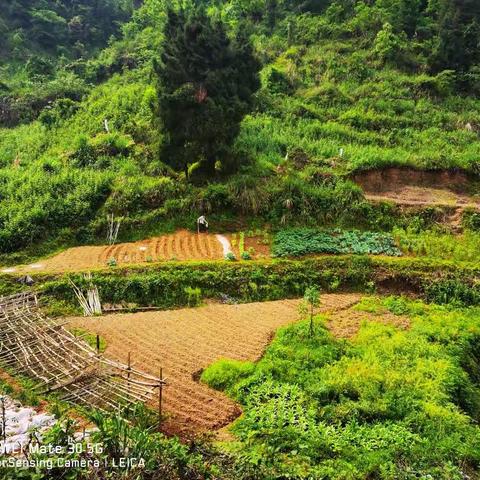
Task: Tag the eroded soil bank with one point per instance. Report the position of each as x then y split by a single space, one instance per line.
388 179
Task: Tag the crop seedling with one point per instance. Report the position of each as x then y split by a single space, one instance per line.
230 256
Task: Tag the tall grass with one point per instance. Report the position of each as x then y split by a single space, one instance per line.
435 244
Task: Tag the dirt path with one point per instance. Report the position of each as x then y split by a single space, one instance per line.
186 341
414 195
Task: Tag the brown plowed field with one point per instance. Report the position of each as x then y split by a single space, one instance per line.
186 341
182 245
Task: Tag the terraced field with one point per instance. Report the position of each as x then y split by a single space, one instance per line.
186 341
182 245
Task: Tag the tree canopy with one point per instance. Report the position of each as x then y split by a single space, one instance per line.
206 82
59 26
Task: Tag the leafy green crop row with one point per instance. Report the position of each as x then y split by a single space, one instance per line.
305 241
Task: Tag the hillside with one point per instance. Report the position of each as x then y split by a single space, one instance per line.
322 321
342 91
47 50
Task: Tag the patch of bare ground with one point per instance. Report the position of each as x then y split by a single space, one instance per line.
185 341
8 380
450 191
347 323
415 188
258 246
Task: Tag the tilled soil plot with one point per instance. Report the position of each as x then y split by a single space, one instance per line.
185 341
182 245
347 323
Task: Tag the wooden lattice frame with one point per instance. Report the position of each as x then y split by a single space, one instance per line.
41 348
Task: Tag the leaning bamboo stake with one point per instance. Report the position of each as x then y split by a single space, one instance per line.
160 398
113 229
3 423
81 299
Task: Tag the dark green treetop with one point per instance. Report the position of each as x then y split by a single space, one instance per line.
206 82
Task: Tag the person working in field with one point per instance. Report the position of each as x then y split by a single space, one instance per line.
202 224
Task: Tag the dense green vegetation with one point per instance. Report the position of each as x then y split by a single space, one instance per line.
300 242
175 284
47 50
439 244
387 404
345 86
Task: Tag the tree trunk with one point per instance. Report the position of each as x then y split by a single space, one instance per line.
311 321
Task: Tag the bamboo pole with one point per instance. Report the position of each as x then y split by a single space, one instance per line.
160 398
33 344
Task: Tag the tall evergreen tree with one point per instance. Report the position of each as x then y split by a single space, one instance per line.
206 82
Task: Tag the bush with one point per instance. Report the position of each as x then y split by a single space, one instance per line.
224 373
92 151
112 262
54 115
194 296
471 220
140 194
453 291
246 256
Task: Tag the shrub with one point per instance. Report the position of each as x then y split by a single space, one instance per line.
95 151
453 291
225 373
471 220
134 194
246 256
112 262
194 296
54 115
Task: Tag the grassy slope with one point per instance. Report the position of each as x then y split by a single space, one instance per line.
327 96
379 116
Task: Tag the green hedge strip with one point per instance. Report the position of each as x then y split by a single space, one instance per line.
167 285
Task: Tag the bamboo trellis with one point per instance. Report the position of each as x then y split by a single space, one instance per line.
38 347
113 229
90 303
